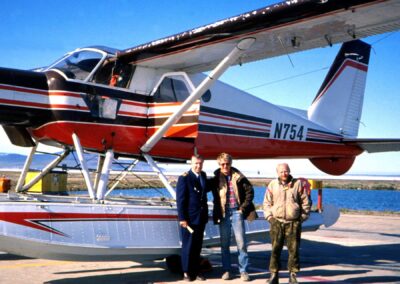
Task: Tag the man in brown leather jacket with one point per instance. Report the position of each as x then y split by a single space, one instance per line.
286 205
233 203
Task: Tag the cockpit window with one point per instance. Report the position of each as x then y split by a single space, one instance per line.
78 65
114 74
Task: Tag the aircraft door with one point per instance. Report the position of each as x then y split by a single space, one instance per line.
167 97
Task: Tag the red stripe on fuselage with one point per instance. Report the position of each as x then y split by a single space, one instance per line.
24 90
234 119
34 219
346 63
41 105
39 91
232 126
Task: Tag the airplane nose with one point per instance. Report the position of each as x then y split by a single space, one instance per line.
23 95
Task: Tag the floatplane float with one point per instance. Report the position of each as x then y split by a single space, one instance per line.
152 102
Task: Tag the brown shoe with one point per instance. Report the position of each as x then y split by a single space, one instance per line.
244 276
274 279
226 276
292 278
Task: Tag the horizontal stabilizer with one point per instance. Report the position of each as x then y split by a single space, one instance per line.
375 145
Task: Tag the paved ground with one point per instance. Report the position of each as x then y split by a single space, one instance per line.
357 249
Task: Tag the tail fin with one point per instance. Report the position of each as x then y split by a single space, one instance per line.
339 101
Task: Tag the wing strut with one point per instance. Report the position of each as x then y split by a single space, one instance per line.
241 47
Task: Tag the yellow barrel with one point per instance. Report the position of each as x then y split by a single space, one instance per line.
315 184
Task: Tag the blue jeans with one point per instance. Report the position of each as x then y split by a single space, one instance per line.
233 220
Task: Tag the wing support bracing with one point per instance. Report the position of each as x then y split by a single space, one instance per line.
160 174
121 177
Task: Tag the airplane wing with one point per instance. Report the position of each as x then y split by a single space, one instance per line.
282 28
375 145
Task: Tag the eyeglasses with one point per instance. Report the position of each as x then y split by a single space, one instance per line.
224 164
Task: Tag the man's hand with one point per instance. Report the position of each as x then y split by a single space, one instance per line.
271 220
183 224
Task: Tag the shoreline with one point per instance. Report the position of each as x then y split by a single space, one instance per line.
369 213
75 181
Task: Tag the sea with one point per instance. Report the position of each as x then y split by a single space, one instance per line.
349 199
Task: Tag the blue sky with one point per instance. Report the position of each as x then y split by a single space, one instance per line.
36 33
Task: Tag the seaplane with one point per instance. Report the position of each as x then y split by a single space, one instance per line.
162 101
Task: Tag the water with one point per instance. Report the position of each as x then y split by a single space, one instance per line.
352 199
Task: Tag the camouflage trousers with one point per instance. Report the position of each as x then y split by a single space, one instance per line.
279 232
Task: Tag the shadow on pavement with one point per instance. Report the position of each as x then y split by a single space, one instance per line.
354 262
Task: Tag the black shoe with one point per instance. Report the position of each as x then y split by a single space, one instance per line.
187 278
292 278
200 277
274 279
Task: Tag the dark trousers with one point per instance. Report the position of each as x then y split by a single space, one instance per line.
191 249
279 232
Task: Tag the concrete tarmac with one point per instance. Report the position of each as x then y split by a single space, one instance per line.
357 249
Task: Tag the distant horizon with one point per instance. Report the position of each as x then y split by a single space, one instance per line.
264 168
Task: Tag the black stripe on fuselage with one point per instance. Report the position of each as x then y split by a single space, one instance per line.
228 114
231 131
325 132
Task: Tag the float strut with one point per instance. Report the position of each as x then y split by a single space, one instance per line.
82 161
160 174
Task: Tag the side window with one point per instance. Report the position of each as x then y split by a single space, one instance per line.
171 90
181 92
114 74
103 75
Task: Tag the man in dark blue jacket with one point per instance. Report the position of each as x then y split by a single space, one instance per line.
191 200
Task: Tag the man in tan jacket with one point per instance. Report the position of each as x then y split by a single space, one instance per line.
286 205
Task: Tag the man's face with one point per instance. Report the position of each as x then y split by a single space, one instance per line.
197 165
225 166
283 172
